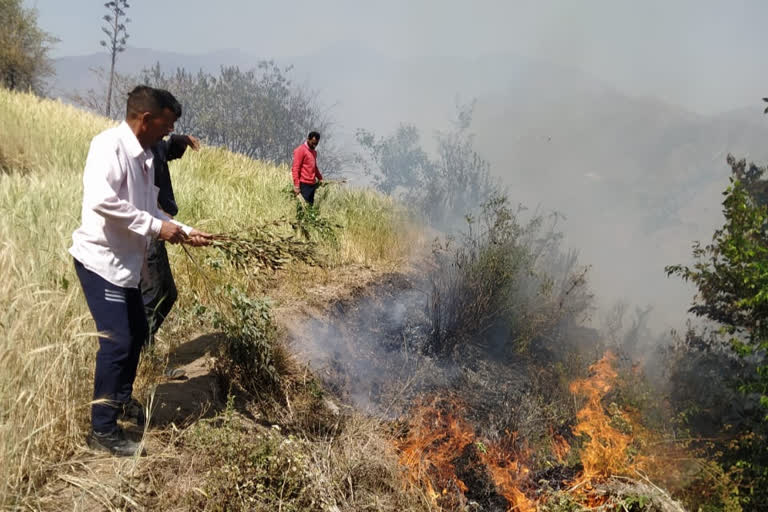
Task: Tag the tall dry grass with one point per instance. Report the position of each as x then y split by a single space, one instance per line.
47 343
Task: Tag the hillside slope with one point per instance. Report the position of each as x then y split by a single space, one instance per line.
47 345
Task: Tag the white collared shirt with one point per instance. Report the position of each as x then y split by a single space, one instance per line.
120 209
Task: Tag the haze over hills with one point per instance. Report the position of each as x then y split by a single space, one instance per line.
638 179
364 88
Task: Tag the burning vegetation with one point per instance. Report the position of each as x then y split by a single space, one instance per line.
489 381
444 455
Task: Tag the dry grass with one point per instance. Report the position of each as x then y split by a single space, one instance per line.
47 346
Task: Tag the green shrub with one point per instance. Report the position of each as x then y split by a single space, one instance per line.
247 359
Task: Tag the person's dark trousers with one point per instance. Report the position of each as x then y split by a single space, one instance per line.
157 286
308 192
119 316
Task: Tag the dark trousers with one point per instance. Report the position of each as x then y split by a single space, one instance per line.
157 286
308 192
119 316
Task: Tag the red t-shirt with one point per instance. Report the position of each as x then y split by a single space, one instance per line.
304 167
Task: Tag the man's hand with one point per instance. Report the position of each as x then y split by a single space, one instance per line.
172 233
199 238
192 142
296 191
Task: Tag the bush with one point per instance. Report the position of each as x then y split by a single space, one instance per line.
503 286
731 276
248 358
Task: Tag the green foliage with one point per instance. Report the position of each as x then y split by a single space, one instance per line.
263 248
311 224
712 489
248 359
259 113
559 501
397 163
731 273
24 47
635 502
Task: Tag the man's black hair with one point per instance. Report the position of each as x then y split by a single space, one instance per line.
313 135
148 99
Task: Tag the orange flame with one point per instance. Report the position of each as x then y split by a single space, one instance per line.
507 474
606 451
560 447
437 436
434 440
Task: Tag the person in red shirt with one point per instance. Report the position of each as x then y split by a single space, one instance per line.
306 175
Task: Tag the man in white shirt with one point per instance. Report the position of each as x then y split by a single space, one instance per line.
119 217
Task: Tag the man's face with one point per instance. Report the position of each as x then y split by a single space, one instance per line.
312 143
157 126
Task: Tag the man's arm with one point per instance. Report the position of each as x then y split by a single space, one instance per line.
165 197
298 159
178 144
192 236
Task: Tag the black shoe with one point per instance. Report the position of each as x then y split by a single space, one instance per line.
115 443
133 411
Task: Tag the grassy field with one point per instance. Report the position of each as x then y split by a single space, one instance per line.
47 343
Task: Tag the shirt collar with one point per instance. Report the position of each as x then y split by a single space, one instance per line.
131 142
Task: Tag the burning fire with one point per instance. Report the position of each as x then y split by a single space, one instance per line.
560 447
507 474
435 438
605 453
438 438
442 452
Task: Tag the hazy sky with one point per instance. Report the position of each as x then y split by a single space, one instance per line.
704 55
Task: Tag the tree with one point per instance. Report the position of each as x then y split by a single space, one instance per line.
24 47
462 178
260 113
396 163
117 35
94 99
445 188
731 273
